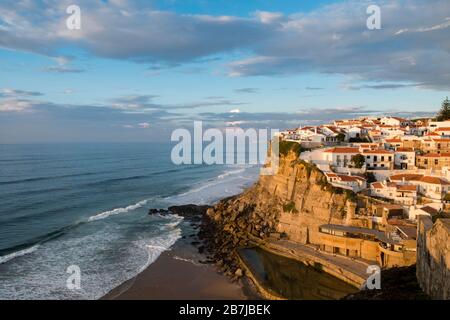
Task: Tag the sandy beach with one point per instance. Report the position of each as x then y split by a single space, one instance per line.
169 277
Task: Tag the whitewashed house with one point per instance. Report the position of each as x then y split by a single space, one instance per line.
340 156
431 187
349 182
400 194
379 159
404 158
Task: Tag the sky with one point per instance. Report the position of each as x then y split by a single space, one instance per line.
136 70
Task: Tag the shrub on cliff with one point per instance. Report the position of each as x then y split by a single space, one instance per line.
290 207
350 195
287 146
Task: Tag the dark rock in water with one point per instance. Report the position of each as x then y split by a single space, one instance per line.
192 212
189 210
195 243
158 211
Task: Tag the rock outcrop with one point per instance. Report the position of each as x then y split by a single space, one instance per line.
433 257
291 204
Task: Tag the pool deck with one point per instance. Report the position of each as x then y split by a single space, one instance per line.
350 270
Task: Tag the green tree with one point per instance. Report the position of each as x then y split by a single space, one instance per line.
340 137
358 160
444 113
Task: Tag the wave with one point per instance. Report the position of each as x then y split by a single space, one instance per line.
157 245
214 182
17 254
36 242
106 214
231 172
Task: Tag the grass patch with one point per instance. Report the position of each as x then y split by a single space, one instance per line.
290 207
288 146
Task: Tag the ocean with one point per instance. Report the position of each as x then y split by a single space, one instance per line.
86 205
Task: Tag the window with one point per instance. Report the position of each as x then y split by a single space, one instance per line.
436 161
390 158
382 158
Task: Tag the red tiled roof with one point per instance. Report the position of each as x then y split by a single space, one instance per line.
434 180
435 155
403 149
381 151
377 185
443 129
441 140
430 210
394 140
407 188
350 178
342 150
407 176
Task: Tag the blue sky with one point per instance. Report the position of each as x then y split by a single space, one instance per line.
139 69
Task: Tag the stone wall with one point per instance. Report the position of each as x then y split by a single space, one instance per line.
433 257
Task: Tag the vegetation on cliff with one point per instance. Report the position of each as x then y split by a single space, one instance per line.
289 146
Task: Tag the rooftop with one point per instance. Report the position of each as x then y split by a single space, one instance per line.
342 150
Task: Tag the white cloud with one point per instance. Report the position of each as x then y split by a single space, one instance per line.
235 111
13 105
144 125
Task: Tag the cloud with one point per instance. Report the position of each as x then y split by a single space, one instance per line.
144 125
132 30
383 86
313 88
412 45
63 69
235 111
8 92
303 116
246 90
140 103
334 40
14 105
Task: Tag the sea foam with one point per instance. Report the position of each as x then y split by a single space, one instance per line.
17 254
106 214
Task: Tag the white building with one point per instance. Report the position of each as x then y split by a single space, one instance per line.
340 156
401 194
404 158
434 188
433 125
395 121
354 183
379 159
430 209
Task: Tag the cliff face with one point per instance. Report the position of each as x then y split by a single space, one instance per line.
294 202
433 257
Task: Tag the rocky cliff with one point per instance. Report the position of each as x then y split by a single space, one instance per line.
293 204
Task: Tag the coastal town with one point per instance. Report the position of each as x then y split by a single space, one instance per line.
397 172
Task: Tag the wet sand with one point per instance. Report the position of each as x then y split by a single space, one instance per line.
171 278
